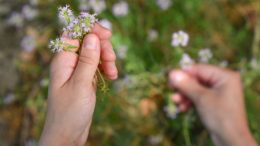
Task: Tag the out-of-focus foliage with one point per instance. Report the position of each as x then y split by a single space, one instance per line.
137 110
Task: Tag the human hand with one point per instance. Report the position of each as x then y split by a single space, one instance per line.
72 91
218 98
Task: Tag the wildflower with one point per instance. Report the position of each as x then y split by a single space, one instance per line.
121 51
223 63
155 139
171 111
254 63
106 23
65 14
164 4
180 38
28 12
16 19
97 5
56 45
152 35
28 43
186 61
34 2
205 55
120 9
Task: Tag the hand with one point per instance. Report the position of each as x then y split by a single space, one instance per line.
218 98
72 92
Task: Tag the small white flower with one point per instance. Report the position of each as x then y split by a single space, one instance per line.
223 63
97 5
171 111
106 23
186 61
34 2
16 19
180 38
28 43
65 14
120 8
254 64
121 51
164 4
155 139
205 55
152 35
56 45
29 12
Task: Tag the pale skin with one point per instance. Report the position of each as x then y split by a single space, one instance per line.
72 95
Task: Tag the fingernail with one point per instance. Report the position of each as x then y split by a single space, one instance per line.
90 42
177 77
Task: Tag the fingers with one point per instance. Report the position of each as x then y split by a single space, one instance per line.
209 75
63 64
101 32
88 60
182 102
187 85
108 58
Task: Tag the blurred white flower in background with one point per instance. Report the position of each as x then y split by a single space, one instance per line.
28 12
9 98
164 4
205 55
223 63
171 111
180 38
152 35
155 139
186 61
254 64
121 51
106 23
83 5
16 19
120 8
28 43
97 5
34 2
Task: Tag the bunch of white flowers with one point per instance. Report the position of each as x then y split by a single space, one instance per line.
180 39
76 27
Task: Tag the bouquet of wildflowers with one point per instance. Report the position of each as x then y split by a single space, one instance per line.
75 28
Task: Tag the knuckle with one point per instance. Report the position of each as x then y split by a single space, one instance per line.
86 60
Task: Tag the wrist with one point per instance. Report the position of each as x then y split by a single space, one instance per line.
234 137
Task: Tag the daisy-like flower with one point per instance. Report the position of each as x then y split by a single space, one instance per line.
180 39
65 14
164 4
106 23
120 9
205 55
186 61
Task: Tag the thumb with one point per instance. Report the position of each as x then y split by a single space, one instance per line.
88 60
187 85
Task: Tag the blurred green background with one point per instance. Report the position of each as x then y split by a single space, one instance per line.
136 110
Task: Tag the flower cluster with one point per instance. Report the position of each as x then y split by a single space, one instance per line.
76 27
180 39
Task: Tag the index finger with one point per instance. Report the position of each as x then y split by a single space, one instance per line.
101 32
